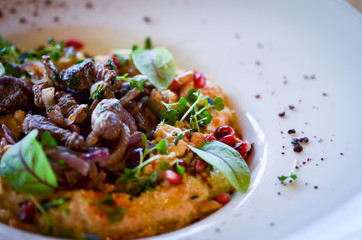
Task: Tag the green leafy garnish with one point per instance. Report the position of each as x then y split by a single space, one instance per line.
161 147
195 107
111 64
55 51
227 160
26 167
156 64
180 136
291 175
109 207
136 184
137 81
2 70
47 140
98 93
57 203
9 53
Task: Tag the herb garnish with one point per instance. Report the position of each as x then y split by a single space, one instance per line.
108 206
227 160
47 140
137 81
156 64
55 51
26 167
291 175
57 203
138 184
195 106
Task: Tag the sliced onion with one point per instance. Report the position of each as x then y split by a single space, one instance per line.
10 138
97 155
78 163
136 138
47 96
25 87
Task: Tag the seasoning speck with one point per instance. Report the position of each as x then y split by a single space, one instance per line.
56 19
279 193
341 154
22 20
282 114
283 153
47 2
272 224
12 10
1 13
147 19
291 107
257 96
315 187
324 94
89 5
291 131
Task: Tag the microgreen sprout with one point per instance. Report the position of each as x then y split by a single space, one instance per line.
195 108
291 175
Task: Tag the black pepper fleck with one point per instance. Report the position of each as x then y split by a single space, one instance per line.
282 114
1 13
324 94
89 5
56 19
315 187
291 107
279 193
257 63
22 20
47 2
147 19
260 45
341 154
12 10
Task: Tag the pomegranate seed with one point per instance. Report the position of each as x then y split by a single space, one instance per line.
175 85
200 165
223 131
173 177
27 212
242 147
74 43
223 198
181 163
199 80
228 140
114 59
209 137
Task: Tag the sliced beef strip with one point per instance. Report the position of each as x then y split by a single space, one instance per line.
80 76
63 137
110 121
51 71
13 98
70 109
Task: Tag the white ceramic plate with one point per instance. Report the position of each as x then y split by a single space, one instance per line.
288 52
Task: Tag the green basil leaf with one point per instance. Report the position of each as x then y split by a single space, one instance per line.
227 160
2 70
157 64
26 167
